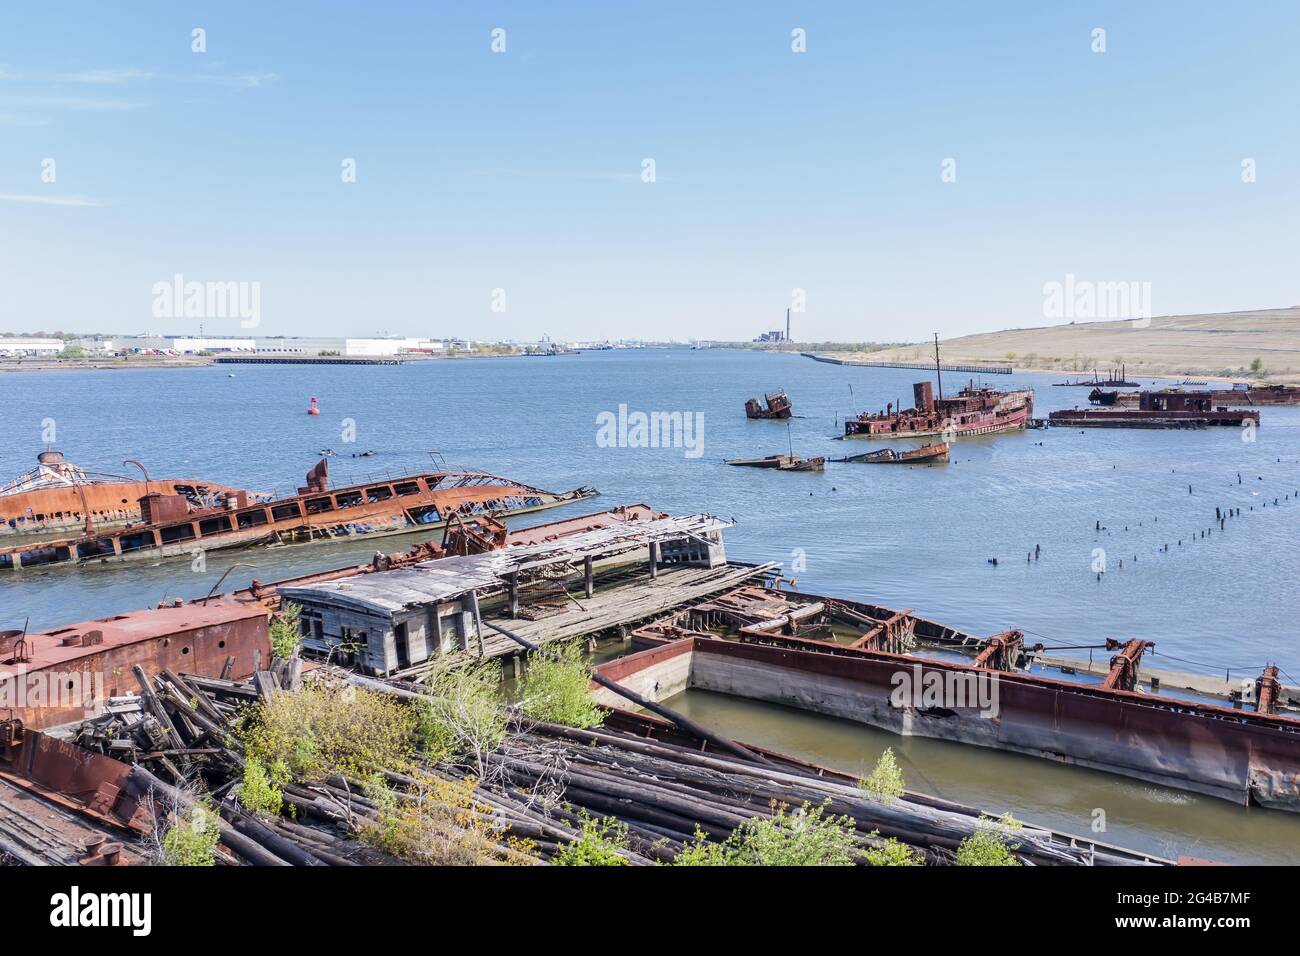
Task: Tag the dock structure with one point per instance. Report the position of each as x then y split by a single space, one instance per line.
945 367
304 360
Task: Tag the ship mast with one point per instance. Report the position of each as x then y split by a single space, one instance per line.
937 370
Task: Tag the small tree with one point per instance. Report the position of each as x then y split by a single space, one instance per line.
557 687
990 844
602 843
885 782
285 635
464 714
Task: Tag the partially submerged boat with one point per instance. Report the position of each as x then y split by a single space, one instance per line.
173 526
1157 410
778 406
58 497
895 670
782 463
925 455
1235 397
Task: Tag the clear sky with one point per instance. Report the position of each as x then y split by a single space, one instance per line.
522 170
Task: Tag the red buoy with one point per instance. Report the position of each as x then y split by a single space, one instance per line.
314 410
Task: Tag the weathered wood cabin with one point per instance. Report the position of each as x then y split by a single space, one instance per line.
389 621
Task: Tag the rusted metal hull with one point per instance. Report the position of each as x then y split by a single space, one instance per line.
373 509
111 504
974 412
1236 756
1137 418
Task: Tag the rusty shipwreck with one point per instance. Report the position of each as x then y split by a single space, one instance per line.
173 524
58 497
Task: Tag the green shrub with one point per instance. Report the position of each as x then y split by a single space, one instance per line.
602 843
893 853
259 793
285 635
191 839
803 838
557 687
885 782
327 730
990 844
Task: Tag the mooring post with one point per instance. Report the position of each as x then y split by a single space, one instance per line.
514 593
588 577
478 621
654 560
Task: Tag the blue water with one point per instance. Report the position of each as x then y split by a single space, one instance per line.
917 538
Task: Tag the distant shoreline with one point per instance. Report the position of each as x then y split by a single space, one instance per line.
181 362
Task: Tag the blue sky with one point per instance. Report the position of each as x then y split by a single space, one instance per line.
521 170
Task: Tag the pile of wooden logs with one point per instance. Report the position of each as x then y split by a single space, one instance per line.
540 785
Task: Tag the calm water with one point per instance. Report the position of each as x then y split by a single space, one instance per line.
915 538
908 537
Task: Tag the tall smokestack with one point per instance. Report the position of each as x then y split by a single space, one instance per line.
787 325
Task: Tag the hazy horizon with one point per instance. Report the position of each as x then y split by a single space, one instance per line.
910 170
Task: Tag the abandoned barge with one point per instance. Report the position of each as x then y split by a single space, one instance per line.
57 497
173 525
1157 410
1236 397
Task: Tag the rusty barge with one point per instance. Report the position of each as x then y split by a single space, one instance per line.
173 526
58 497
1157 410
925 455
1230 397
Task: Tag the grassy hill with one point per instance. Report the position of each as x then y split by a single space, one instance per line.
1263 345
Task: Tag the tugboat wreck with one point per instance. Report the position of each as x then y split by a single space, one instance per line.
778 406
975 411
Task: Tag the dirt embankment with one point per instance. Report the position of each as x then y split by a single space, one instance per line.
1262 346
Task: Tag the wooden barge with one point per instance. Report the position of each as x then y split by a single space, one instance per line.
1157 410
975 411
58 497
173 527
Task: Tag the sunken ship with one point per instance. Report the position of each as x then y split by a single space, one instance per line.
172 524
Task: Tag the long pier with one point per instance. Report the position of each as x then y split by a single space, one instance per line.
978 369
305 360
